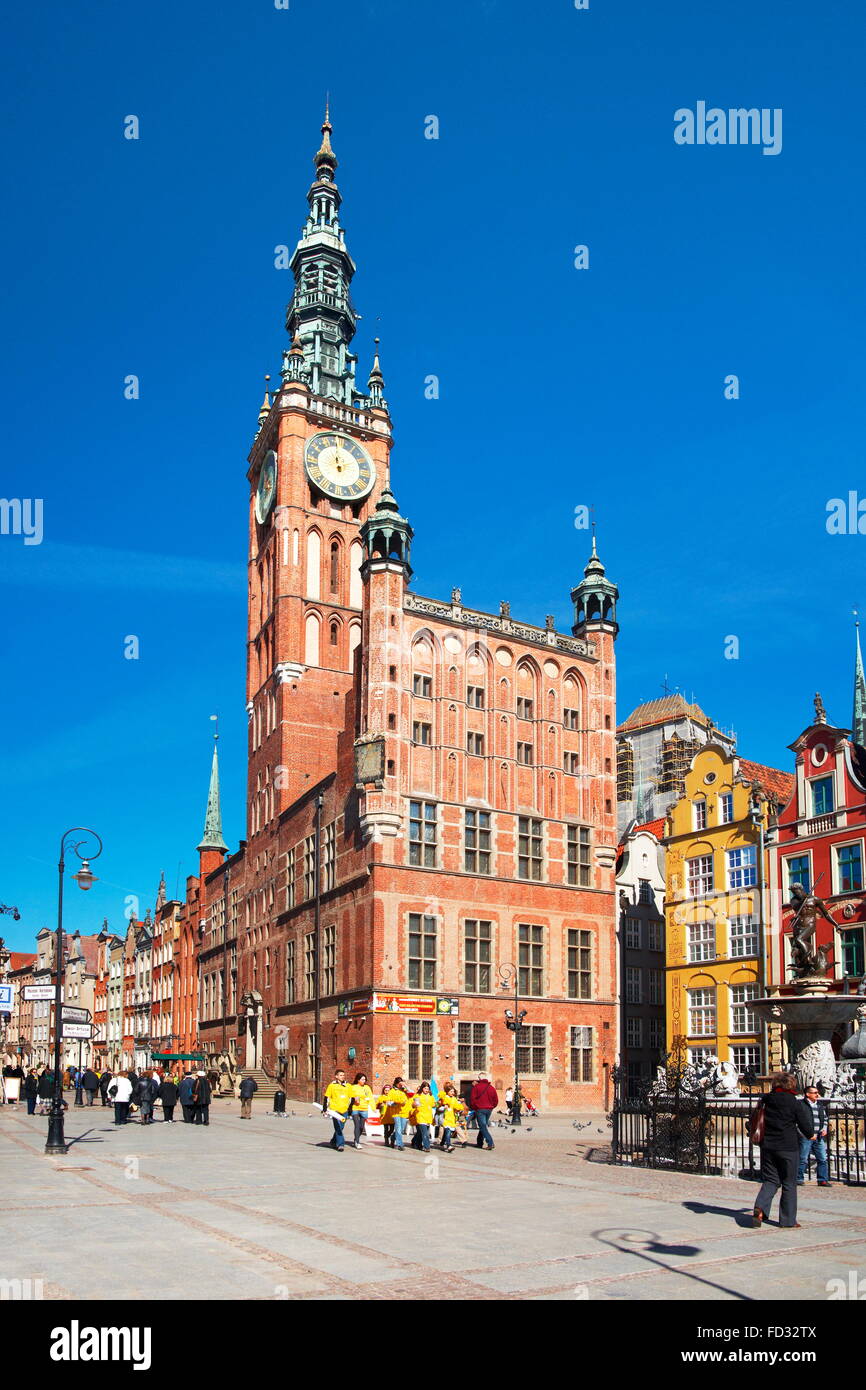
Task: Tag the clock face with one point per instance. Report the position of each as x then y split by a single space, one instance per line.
339 466
267 488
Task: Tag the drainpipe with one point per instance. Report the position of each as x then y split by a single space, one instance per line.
758 823
317 1060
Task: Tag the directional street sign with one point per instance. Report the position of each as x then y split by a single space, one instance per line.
38 991
77 1030
70 1014
5 998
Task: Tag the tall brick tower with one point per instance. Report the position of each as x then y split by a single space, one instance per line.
317 467
430 809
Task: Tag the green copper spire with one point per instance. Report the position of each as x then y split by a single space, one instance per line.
213 821
321 318
858 723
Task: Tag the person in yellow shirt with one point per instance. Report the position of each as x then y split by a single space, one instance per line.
399 1109
452 1106
338 1099
423 1110
362 1100
384 1109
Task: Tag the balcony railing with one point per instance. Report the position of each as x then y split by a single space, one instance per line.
818 824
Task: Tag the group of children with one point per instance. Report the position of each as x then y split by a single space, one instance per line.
397 1108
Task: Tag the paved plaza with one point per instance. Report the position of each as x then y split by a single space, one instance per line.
266 1210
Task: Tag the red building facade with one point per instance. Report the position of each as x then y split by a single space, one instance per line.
431 788
821 843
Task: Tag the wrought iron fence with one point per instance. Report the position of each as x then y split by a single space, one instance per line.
678 1128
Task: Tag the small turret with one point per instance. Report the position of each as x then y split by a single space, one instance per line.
594 599
387 535
376 383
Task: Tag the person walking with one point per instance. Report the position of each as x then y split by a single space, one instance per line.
384 1109
338 1100
362 1101
247 1090
452 1106
31 1091
423 1110
483 1102
201 1098
144 1097
90 1083
168 1096
45 1090
400 1106
786 1120
817 1145
104 1083
120 1092
184 1094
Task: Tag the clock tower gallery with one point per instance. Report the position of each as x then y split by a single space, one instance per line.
431 790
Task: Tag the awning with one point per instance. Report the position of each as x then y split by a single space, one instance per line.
177 1057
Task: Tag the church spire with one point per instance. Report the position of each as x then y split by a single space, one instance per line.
213 821
320 315
858 722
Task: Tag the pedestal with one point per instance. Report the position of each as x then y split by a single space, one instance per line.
811 1017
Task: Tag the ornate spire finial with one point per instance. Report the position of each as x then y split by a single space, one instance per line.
376 383
858 722
265 408
325 160
820 712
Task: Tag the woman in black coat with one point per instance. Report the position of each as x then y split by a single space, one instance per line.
786 1118
168 1096
31 1090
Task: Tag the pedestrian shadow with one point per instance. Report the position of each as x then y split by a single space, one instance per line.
83 1139
742 1218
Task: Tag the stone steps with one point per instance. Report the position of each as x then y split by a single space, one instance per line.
266 1084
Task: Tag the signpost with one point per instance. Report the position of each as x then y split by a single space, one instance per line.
76 1030
5 998
37 992
70 1014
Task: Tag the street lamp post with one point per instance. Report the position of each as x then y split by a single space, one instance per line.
509 973
56 1143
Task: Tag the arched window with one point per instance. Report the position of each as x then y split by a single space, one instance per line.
311 643
335 567
356 557
334 634
314 565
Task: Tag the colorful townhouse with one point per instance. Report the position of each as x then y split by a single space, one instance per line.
716 907
821 844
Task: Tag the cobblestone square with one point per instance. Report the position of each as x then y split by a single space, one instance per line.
267 1210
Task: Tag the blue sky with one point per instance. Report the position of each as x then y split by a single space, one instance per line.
559 387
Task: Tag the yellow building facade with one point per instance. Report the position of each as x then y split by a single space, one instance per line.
716 906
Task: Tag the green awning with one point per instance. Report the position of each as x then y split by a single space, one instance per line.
177 1057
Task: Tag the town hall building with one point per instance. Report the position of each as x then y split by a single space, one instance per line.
431 807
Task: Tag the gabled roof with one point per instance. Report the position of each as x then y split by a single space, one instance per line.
662 711
781 784
20 960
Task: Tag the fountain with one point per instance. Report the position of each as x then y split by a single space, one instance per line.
811 1014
